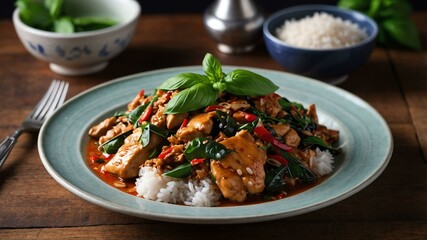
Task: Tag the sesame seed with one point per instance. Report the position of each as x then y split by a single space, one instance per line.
249 170
239 172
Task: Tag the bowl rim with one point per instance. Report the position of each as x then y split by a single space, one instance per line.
20 24
319 8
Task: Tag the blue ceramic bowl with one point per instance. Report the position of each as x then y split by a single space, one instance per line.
329 65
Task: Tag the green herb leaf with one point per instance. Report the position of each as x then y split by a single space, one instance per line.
54 7
243 82
318 142
190 99
149 128
297 169
136 113
205 148
63 25
403 31
227 124
112 145
34 14
183 81
182 171
274 179
212 68
249 126
83 24
354 4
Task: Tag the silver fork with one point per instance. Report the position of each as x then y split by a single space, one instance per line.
53 98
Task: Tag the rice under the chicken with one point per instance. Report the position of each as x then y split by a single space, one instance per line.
152 185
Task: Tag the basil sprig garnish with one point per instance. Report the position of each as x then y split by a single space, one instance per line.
198 90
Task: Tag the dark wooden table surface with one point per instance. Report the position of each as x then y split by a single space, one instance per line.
35 206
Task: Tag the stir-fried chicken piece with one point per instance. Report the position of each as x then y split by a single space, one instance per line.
281 129
101 128
115 131
312 113
131 155
328 135
236 105
292 139
159 119
198 126
270 104
242 171
175 120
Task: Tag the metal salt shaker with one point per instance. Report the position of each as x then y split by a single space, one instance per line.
235 24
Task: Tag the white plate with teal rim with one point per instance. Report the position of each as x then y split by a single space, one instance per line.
364 137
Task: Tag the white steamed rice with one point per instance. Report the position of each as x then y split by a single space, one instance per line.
320 31
323 162
154 186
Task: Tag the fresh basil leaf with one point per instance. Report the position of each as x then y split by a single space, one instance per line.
183 80
54 7
244 82
149 128
34 14
249 126
205 148
182 171
374 8
212 68
63 25
403 31
136 113
393 8
274 179
190 99
287 105
227 124
358 5
311 141
121 114
92 23
145 135
297 170
164 133
112 145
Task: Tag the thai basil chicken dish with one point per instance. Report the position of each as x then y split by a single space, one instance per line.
212 139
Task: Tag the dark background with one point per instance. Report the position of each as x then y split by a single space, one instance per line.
198 6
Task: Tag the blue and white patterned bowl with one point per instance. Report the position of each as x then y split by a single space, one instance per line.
84 52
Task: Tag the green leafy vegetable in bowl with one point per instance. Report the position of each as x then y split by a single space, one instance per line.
49 15
393 18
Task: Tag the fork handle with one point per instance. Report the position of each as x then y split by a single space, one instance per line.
7 145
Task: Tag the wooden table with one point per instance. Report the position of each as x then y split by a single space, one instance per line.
34 206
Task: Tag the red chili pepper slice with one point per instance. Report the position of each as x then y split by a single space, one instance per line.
184 123
146 115
250 117
266 136
279 158
213 108
196 161
165 152
141 93
168 95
